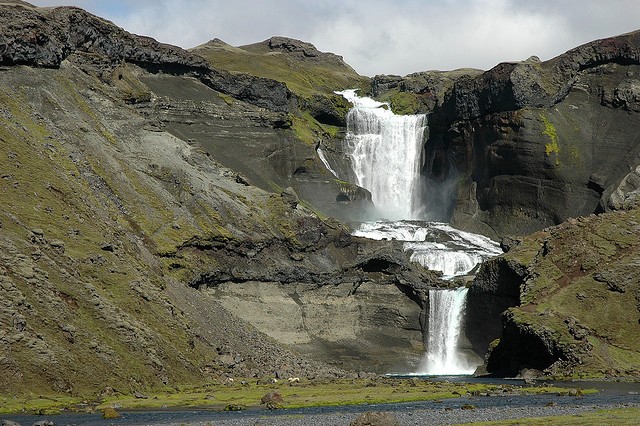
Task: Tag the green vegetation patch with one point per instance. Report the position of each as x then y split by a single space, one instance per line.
304 78
403 103
613 416
308 130
248 393
550 131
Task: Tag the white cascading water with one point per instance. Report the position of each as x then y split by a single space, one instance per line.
386 157
324 160
446 314
385 151
435 245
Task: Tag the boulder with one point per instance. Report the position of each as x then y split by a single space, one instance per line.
272 400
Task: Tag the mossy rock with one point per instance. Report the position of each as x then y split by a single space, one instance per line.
110 413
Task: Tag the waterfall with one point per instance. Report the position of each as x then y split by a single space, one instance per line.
386 151
324 160
386 156
446 314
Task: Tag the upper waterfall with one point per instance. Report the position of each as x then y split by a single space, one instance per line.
386 155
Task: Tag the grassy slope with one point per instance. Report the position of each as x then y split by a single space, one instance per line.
309 80
614 416
302 77
42 189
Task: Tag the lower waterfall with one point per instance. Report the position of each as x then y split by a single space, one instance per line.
446 315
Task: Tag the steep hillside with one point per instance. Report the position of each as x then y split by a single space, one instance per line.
115 223
304 69
318 120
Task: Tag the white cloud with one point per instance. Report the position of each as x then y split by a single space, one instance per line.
384 36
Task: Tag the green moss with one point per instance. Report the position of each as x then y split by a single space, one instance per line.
403 103
332 131
305 128
550 131
308 130
304 78
226 98
305 394
279 218
110 413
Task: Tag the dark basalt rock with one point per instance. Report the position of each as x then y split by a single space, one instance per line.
47 37
327 110
362 261
429 87
529 345
531 144
297 50
495 288
262 92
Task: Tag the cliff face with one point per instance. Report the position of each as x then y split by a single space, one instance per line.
123 236
534 144
318 122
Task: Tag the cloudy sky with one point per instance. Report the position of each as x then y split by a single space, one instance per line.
382 36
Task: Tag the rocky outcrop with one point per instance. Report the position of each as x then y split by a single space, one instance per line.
577 311
298 50
533 84
495 288
417 93
329 295
627 194
48 36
